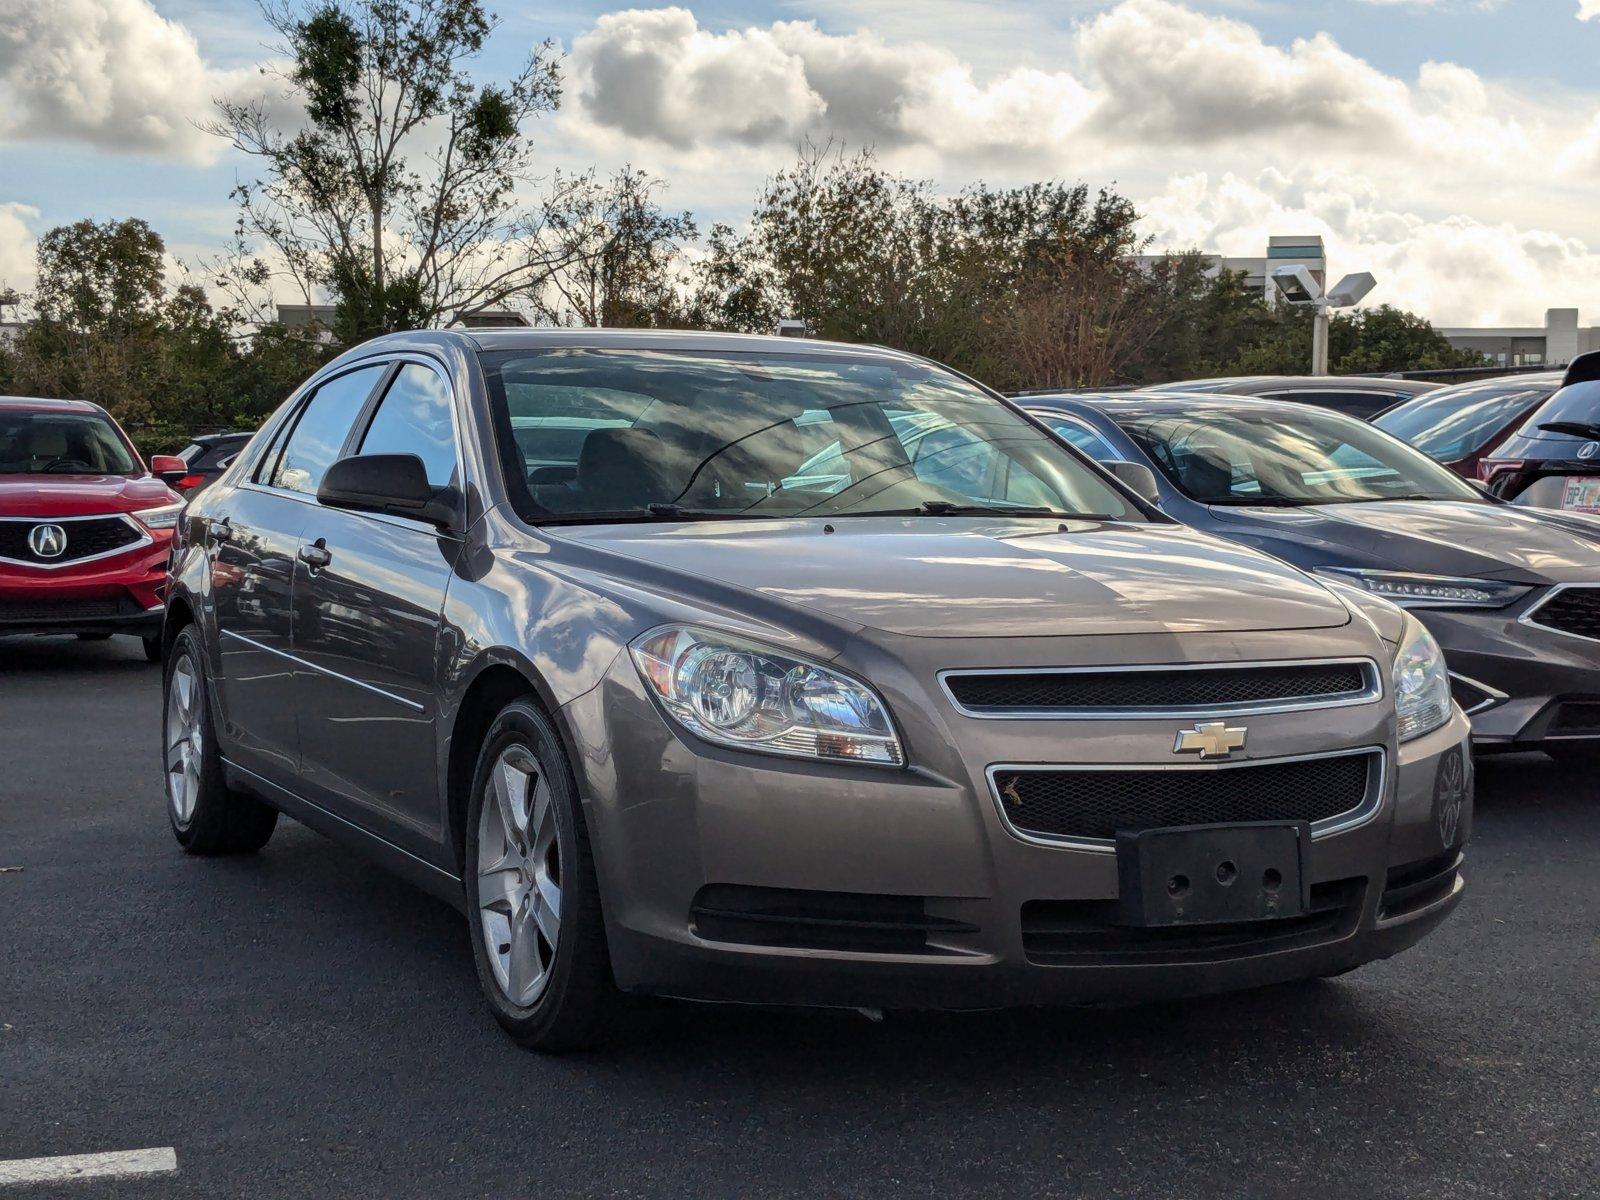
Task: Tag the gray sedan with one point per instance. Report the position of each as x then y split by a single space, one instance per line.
742 669
1512 594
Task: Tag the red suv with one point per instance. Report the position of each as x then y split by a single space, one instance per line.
84 527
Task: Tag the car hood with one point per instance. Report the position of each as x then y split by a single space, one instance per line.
1488 541
981 577
79 495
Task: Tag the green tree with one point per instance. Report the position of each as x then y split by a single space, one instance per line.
1390 339
401 194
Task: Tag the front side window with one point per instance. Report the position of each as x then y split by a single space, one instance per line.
320 432
1279 458
416 416
1082 438
635 434
39 443
1454 423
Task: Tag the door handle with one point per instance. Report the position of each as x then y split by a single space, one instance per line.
219 531
317 555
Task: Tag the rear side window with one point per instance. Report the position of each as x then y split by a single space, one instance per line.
321 430
416 416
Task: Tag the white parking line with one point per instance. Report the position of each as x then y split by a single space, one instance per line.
162 1160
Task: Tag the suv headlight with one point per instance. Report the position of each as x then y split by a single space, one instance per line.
1421 683
737 694
163 516
1431 591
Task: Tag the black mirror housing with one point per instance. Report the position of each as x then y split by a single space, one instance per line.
1137 477
394 484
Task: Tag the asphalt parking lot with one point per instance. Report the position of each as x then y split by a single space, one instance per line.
300 1024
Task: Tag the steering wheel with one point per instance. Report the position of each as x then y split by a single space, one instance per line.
67 465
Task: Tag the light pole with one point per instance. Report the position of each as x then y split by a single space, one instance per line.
1299 286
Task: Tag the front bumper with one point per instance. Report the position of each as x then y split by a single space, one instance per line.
1521 684
122 593
951 909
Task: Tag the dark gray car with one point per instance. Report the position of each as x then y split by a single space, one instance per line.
1512 594
747 669
1362 396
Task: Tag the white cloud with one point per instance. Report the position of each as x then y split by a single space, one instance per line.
17 246
112 73
1588 10
1456 270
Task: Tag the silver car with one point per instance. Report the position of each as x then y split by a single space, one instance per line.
754 670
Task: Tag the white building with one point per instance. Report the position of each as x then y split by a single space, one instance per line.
1555 343
1304 250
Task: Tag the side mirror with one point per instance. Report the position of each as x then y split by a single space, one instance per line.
395 484
1480 485
1137 477
168 468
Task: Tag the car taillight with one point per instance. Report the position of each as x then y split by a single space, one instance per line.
1488 468
189 481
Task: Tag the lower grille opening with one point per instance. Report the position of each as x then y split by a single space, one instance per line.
65 611
858 921
1470 696
1576 718
1078 802
1416 885
1085 933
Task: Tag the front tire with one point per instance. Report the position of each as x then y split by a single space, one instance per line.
538 939
206 816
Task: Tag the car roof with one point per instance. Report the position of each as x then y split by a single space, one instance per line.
40 404
1531 381
523 338
1246 384
1118 405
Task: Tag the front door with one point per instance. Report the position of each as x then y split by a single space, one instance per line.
369 595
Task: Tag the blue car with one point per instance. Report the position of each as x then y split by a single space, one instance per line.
1512 594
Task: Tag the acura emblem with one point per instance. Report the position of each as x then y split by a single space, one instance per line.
1587 450
47 541
1211 739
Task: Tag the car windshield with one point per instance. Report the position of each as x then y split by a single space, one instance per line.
1277 457
1456 422
52 443
651 434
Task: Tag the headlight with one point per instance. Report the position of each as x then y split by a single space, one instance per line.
736 694
164 516
1421 683
1431 591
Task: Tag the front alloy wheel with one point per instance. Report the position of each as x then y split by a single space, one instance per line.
538 938
519 876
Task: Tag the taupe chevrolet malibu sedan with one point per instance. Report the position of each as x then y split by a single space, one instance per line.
761 670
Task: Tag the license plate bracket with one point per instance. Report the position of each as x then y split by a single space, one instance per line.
1212 874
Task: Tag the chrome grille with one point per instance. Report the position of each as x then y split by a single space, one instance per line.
1162 691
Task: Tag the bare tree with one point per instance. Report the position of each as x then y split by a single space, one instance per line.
402 193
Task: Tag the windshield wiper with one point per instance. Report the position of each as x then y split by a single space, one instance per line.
1583 429
948 508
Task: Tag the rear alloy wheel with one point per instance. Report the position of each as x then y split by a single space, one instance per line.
538 937
206 816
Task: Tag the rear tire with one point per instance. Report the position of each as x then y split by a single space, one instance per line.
533 900
206 816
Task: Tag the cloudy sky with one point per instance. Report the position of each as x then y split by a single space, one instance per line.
1450 146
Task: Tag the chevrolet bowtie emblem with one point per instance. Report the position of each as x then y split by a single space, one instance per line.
1212 739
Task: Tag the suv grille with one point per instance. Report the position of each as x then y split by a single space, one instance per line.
1574 610
1161 689
1097 804
85 539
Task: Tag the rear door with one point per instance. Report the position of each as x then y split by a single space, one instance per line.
253 540
369 592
